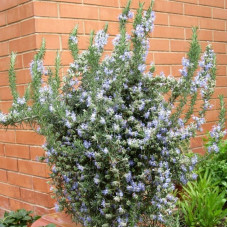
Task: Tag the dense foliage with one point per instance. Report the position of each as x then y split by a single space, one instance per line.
114 131
19 218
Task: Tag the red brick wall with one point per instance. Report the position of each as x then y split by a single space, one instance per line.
23 23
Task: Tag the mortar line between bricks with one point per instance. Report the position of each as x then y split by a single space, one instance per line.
162 12
23 3
17 22
4 209
150 51
81 34
27 173
22 201
22 188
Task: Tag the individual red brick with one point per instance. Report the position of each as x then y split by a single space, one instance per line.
26 10
179 45
4 48
48 9
200 151
109 14
159 45
167 58
221 81
9 32
23 44
2 18
214 24
221 70
18 151
168 6
20 180
211 115
78 11
5 92
4 78
17 204
219 13
41 185
13 15
4 202
6 4
219 47
37 198
162 18
168 32
183 20
221 59
29 137
10 190
2 149
217 3
196 142
33 168
8 163
219 91
196 10
7 136
57 26
36 152
5 106
23 76
27 26
220 36
112 3
3 176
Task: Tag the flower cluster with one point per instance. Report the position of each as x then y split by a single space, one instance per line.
113 139
216 135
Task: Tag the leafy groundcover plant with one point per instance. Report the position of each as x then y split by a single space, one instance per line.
113 138
19 218
202 203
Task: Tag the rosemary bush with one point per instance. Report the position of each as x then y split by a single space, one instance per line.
113 138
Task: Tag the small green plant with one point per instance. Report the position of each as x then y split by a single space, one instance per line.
217 164
19 218
202 203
